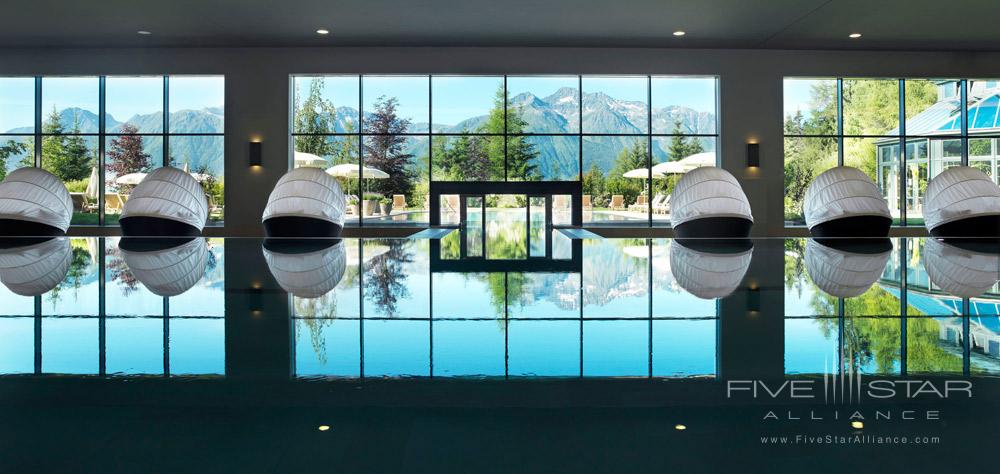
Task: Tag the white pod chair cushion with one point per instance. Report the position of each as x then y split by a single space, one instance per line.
842 273
708 275
305 202
170 271
708 192
960 272
35 197
309 274
960 193
167 202
845 193
37 268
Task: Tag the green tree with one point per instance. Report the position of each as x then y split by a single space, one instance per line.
593 182
7 150
315 116
630 158
385 148
682 146
126 155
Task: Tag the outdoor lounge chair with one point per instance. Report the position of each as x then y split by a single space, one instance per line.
617 202
662 205
398 201
113 203
640 204
587 204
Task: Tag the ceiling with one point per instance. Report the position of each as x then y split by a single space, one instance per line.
968 25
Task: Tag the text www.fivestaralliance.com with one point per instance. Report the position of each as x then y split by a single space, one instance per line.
849 439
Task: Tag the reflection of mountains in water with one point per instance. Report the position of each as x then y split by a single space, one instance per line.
559 113
196 151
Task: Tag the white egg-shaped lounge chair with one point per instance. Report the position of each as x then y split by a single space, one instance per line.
709 202
167 202
36 267
306 202
845 202
962 271
710 268
167 267
846 269
962 202
306 269
34 202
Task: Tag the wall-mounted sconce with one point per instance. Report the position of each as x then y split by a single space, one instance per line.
753 300
255 300
256 153
753 155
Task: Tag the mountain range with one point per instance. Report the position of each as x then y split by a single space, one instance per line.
559 113
196 151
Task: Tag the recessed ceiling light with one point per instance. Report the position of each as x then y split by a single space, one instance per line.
324 427
679 33
322 31
854 35
857 424
680 427
144 32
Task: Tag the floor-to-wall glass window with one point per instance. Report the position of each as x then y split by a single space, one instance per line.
901 132
627 139
102 134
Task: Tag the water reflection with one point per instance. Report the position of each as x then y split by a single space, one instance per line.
144 307
601 308
903 306
32 267
710 268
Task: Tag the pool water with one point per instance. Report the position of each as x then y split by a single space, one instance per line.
536 334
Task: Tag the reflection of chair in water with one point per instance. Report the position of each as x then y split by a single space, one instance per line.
710 268
113 203
965 269
560 202
167 267
36 266
845 268
617 202
306 268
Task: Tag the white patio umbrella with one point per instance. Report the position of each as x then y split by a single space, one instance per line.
131 178
92 185
303 159
641 173
350 170
686 164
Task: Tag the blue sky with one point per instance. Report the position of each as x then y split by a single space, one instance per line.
126 96
457 98
798 94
